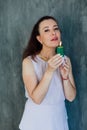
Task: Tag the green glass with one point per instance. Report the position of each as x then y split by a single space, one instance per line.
60 50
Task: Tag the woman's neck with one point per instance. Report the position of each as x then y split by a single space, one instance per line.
46 54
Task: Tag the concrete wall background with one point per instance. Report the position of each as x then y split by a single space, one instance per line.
16 21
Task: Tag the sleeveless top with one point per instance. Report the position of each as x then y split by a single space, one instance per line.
51 113
55 92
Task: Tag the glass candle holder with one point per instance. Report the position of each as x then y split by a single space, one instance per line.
60 49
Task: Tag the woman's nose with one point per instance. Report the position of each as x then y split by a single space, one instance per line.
53 32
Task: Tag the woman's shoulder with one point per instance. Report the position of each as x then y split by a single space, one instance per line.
27 68
27 61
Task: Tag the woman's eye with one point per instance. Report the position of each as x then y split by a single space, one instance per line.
46 30
56 28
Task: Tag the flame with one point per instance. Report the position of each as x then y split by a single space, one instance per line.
60 43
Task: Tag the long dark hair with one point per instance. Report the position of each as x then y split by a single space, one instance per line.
34 46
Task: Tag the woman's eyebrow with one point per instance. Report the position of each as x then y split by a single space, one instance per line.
55 25
46 27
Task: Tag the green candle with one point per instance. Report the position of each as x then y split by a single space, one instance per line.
60 49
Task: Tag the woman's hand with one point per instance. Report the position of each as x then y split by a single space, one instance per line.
68 80
54 62
65 69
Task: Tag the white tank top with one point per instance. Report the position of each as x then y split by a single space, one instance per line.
55 92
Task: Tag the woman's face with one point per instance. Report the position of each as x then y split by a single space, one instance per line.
49 33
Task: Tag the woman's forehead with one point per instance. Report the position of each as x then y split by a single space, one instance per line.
48 23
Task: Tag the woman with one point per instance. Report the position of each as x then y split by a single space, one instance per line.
47 82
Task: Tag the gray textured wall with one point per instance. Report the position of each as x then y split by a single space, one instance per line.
16 20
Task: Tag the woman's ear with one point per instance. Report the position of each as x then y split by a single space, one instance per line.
39 38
